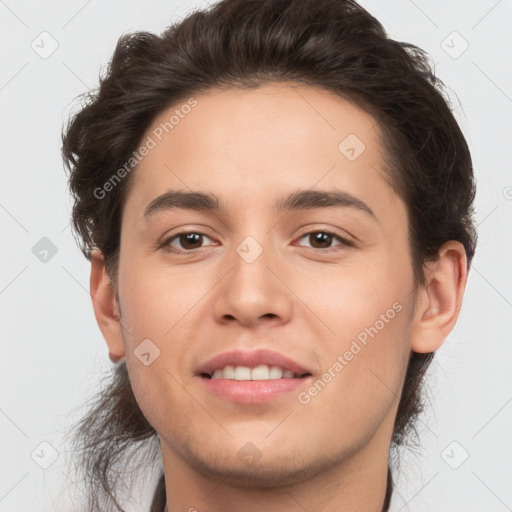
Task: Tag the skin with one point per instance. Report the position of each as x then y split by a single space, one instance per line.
250 148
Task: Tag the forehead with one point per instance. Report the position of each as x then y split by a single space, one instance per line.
245 144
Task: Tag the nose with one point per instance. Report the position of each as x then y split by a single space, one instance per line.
254 292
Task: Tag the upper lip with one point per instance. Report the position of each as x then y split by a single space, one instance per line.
250 359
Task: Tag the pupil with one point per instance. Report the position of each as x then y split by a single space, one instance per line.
189 239
322 238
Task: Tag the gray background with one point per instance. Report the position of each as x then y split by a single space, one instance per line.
53 354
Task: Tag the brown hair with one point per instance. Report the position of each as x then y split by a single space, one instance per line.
332 44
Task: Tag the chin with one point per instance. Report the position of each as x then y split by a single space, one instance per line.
259 473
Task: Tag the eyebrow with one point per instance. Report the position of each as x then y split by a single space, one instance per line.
299 200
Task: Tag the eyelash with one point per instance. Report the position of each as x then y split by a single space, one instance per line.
344 241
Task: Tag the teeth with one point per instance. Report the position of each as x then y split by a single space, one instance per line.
262 372
217 374
242 373
229 372
276 372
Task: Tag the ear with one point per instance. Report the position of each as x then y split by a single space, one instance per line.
105 307
440 300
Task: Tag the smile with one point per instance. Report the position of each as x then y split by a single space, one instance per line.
252 377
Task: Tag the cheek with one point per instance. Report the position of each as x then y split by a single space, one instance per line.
157 312
348 300
160 396
161 306
155 301
364 355
360 384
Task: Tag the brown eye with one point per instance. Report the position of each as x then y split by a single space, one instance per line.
322 240
185 242
190 240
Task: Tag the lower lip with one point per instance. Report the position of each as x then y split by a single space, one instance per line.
252 391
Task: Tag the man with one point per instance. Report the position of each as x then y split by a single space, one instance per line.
276 202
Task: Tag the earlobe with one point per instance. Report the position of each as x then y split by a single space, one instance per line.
439 302
106 309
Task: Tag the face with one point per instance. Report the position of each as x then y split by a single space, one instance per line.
302 274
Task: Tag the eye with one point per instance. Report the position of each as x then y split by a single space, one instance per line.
321 240
188 241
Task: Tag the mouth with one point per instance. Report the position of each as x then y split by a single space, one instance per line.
252 377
